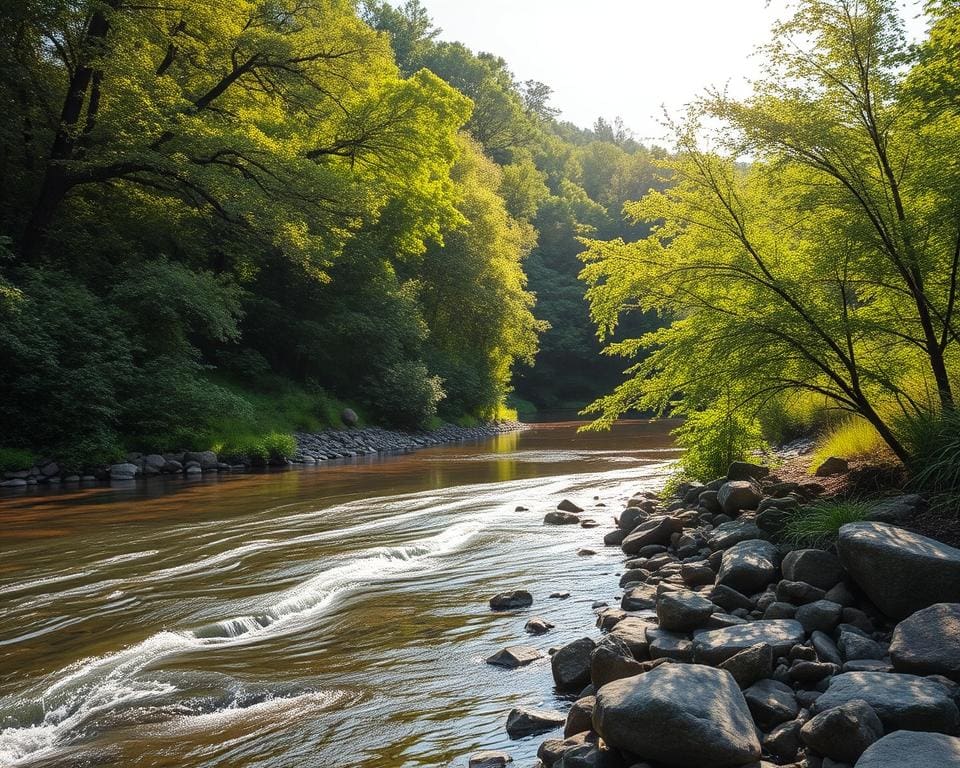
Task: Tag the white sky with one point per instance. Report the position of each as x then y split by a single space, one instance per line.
622 57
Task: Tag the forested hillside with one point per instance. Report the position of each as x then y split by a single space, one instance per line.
222 220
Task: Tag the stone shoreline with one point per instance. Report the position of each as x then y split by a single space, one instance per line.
312 448
733 649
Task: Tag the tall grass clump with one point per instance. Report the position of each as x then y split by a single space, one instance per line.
818 524
15 459
934 442
852 438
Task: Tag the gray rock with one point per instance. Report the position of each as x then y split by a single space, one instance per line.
826 649
630 518
206 459
854 646
783 504
928 642
349 417
771 703
783 742
657 530
738 495
729 599
780 610
814 566
640 598
50 469
726 535
123 471
611 660
744 470
514 656
900 571
697 574
900 701
898 509
505 601
614 538
633 632
526 721
571 665
537 626
557 517
749 566
844 732
750 665
798 592
809 672
716 646
568 506
821 615
708 500
683 611
832 466
580 716
907 749
669 645
678 715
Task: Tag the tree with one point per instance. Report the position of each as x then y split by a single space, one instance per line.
829 265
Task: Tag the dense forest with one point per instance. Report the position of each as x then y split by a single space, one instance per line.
806 256
222 221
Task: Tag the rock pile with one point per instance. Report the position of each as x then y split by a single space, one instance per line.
731 649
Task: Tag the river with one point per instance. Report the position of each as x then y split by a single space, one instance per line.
325 617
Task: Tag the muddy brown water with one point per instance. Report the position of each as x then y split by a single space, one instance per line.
329 616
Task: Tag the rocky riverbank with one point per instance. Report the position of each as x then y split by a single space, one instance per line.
312 448
732 648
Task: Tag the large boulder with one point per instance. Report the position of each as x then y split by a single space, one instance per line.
908 749
814 566
928 642
738 495
678 715
657 530
123 471
349 417
900 701
844 732
206 459
571 665
640 598
558 517
630 518
611 660
749 566
900 571
717 645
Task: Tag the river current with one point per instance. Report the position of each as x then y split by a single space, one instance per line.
324 617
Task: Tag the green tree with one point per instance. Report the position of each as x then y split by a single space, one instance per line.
829 265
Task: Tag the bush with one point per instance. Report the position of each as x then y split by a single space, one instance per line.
713 439
272 446
817 525
15 459
405 395
853 438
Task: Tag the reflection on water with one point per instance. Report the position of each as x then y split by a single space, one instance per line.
330 616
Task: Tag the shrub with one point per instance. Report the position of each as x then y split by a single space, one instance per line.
14 459
713 439
853 438
818 524
405 395
271 446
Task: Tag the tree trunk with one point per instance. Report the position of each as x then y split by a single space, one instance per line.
56 182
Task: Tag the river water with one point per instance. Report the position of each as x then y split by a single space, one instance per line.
331 616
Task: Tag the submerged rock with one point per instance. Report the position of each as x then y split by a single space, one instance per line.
506 601
526 721
514 656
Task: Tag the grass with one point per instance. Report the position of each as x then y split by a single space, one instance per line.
15 459
853 438
818 524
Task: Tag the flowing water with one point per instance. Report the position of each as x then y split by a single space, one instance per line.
330 616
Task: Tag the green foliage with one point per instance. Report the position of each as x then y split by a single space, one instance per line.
405 395
263 448
828 266
15 459
934 441
818 524
713 439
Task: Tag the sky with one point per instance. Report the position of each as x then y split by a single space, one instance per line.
627 58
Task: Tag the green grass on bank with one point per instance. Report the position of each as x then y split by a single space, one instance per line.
818 525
